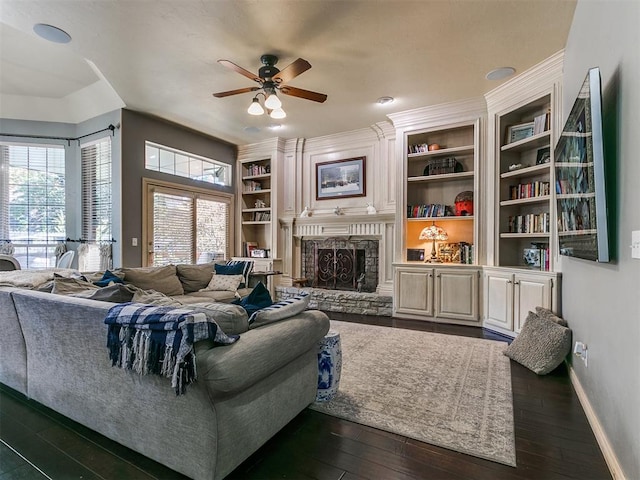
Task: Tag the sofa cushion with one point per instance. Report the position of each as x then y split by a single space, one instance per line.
67 286
279 311
258 298
194 277
236 267
541 345
224 282
232 319
153 298
115 293
161 279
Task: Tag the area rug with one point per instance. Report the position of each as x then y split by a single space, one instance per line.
450 391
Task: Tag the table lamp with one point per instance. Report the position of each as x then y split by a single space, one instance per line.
433 233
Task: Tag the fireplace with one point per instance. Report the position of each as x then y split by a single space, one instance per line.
341 264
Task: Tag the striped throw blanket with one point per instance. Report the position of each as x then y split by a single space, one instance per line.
159 340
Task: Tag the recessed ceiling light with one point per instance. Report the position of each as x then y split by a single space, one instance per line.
500 73
385 100
251 129
51 33
274 126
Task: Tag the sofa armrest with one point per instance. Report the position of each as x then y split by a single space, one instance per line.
258 353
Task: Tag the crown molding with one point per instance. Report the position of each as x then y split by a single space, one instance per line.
437 115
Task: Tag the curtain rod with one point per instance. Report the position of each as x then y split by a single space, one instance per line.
111 127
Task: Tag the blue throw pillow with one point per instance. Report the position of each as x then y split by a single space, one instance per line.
107 278
236 267
259 298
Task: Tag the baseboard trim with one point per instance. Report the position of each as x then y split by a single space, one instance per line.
596 426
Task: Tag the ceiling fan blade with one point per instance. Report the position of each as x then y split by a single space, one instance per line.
307 94
240 70
292 71
235 92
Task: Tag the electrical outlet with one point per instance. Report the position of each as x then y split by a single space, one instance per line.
580 350
635 244
134 242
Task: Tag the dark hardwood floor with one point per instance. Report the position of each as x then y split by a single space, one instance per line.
553 440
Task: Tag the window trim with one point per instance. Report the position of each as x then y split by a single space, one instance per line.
149 184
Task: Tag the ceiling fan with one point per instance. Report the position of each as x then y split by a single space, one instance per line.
271 79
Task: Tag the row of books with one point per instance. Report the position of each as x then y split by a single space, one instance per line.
528 190
261 216
257 169
541 123
429 210
252 186
466 253
537 257
530 223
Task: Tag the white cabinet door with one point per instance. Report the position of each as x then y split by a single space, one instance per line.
414 291
530 292
498 303
457 294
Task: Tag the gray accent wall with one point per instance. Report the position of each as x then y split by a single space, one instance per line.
138 128
601 302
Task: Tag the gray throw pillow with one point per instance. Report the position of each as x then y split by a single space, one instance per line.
194 277
232 319
68 286
279 311
161 279
541 346
546 313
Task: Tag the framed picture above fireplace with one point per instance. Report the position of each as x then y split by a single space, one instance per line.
341 179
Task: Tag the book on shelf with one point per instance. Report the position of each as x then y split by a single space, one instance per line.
429 210
541 123
248 247
528 190
529 223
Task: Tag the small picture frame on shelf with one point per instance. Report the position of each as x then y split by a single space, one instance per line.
415 254
519 132
543 155
258 253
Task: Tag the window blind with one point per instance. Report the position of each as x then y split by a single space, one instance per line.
96 190
189 227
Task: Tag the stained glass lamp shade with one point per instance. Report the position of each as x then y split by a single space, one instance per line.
433 233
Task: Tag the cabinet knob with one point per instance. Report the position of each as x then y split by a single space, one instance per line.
508 281
516 282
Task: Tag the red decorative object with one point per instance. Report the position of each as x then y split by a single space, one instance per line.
464 204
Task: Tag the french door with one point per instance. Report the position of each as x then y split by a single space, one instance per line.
185 225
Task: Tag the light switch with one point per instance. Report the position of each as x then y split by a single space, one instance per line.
635 244
134 242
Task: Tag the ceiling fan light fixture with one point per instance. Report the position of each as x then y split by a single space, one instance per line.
272 102
255 108
278 113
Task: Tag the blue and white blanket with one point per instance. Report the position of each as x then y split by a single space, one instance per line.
159 340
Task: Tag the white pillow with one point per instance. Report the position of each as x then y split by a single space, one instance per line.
224 282
281 310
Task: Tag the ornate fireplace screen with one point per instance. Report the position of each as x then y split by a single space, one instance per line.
338 268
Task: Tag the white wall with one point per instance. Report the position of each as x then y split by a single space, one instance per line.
601 302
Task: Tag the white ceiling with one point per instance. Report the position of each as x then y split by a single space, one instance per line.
160 57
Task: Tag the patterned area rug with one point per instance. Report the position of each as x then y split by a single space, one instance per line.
454 392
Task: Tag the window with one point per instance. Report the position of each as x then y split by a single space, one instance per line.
184 226
32 211
174 162
96 202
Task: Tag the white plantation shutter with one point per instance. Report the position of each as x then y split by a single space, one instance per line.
96 200
188 226
173 229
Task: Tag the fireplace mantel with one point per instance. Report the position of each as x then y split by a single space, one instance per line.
341 226
379 226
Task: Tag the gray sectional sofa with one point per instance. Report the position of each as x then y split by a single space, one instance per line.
53 350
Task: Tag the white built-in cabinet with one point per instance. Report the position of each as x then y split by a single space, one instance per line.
510 294
439 148
445 294
524 115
